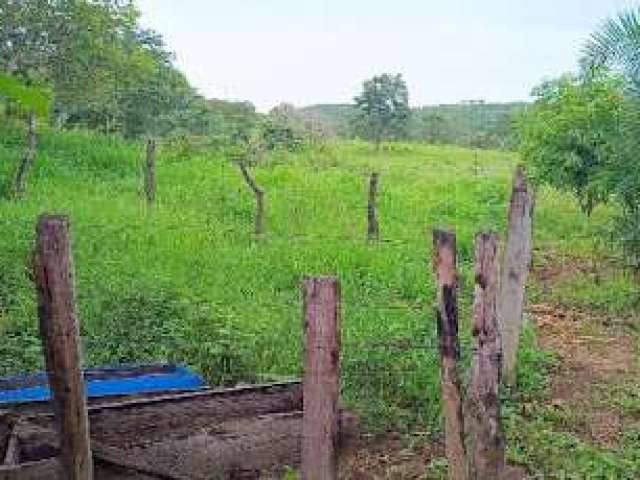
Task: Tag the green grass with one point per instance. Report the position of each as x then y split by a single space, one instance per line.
186 281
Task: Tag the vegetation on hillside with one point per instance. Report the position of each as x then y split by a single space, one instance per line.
476 124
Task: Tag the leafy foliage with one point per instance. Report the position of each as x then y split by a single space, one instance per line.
383 108
616 45
581 135
105 71
471 124
27 98
568 135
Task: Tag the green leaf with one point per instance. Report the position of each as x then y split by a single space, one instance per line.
28 98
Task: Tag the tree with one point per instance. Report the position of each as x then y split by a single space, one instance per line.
383 108
29 102
569 135
105 71
382 112
616 47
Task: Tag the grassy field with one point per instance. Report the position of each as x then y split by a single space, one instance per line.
186 281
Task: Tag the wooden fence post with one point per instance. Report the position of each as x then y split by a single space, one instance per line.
150 172
53 269
373 229
515 268
444 264
321 378
486 447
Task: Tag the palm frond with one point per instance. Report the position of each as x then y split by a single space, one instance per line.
616 45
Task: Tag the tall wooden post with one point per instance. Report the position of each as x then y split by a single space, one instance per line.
150 172
321 378
53 269
515 268
373 229
486 447
444 264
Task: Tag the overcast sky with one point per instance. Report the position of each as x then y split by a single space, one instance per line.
319 51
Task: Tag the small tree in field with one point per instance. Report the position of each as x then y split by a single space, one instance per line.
383 108
28 102
382 112
245 147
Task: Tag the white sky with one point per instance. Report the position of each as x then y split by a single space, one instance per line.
320 51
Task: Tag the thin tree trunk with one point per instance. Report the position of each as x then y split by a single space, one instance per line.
373 229
515 268
444 263
28 157
486 440
259 194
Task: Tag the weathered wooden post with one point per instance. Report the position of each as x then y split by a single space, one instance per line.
150 172
486 446
28 158
515 268
373 229
53 273
444 264
321 378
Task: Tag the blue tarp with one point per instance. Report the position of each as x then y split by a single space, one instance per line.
105 383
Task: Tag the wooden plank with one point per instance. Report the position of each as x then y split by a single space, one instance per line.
515 268
49 469
321 378
122 426
292 389
486 450
131 464
59 331
444 262
12 452
249 447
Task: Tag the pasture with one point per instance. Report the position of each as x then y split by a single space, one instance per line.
187 281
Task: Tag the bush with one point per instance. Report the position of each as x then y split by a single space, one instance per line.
159 325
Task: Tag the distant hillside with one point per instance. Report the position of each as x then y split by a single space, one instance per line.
475 124
478 124
334 116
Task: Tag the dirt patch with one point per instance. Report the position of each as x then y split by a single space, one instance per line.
390 456
400 457
594 359
551 268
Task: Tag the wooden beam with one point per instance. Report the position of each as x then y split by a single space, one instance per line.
486 450
321 378
59 331
444 263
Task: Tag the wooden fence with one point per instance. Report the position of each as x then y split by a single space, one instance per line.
473 437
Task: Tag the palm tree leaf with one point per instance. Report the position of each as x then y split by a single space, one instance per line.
616 45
